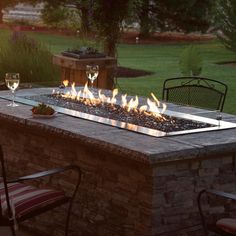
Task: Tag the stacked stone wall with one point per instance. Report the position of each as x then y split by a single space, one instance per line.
115 196
118 196
176 187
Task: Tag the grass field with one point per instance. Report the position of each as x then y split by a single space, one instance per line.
162 59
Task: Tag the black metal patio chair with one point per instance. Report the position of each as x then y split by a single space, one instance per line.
224 225
195 91
20 201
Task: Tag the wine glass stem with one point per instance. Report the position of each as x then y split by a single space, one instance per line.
13 97
219 117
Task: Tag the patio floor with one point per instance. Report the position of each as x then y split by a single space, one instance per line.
6 232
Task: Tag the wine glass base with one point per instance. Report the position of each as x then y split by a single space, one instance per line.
12 105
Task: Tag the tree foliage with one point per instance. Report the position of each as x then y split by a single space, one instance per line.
84 7
103 16
61 17
106 16
226 18
181 15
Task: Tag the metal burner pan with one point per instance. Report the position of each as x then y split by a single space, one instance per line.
216 125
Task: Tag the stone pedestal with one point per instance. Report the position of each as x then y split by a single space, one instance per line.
74 70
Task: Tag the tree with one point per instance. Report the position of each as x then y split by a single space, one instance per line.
181 15
186 15
226 18
145 18
84 7
105 15
108 17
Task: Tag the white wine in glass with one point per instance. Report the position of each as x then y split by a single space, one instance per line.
12 81
92 73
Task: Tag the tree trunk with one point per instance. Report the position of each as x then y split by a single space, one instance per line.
110 48
145 24
85 24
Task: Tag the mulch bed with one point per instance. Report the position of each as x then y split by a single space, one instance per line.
131 73
40 29
128 37
167 37
227 63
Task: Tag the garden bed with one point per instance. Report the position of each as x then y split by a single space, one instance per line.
167 37
227 63
125 72
128 37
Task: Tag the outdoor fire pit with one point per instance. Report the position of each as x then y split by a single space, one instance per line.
113 109
133 184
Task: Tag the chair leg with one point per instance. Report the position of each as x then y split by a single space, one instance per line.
68 218
13 232
71 203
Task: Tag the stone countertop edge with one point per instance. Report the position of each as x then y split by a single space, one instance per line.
103 144
186 151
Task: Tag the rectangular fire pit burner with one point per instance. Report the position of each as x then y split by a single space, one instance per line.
152 119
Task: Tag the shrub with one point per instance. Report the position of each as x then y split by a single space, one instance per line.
190 62
61 17
28 57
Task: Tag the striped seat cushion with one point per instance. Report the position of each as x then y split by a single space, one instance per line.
227 224
26 199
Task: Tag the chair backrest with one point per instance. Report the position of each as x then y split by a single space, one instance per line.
4 182
195 91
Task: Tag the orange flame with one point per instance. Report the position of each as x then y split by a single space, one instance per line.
133 104
65 82
153 108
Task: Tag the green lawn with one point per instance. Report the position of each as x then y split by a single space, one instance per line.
161 59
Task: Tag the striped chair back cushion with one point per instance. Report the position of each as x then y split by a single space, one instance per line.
25 198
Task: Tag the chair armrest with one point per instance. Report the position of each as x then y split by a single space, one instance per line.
47 173
222 194
213 192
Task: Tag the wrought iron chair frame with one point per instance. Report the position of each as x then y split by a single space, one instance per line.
9 221
193 82
209 227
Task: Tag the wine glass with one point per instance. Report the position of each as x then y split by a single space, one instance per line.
12 82
92 73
